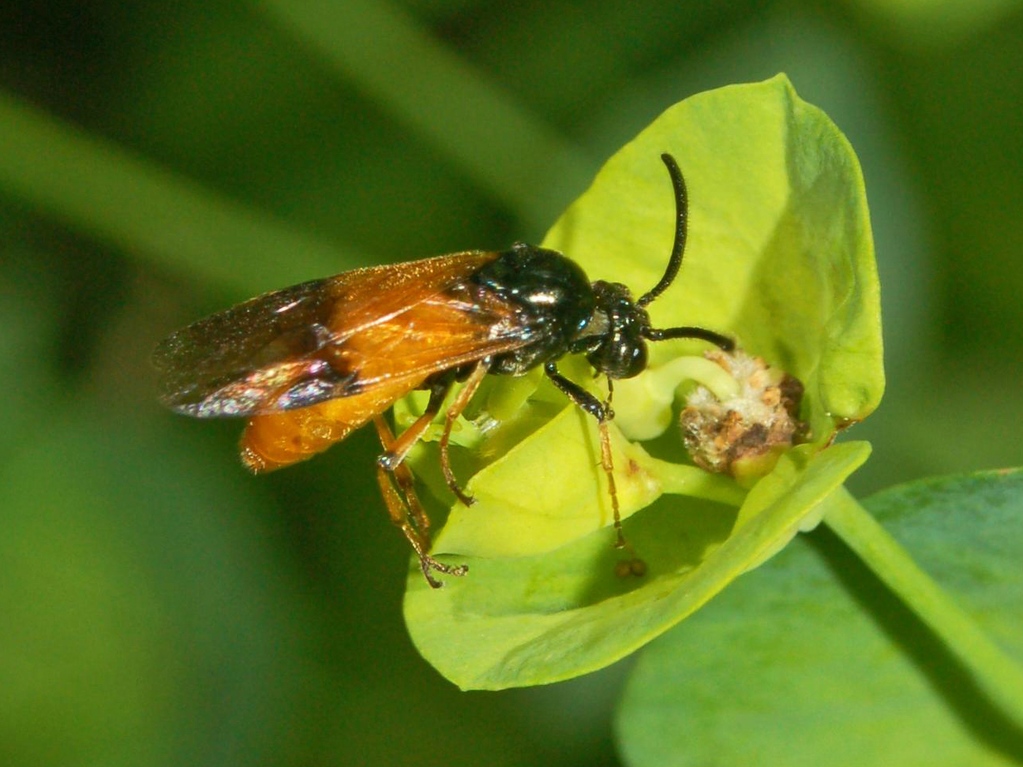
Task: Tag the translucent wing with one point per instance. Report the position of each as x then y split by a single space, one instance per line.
334 337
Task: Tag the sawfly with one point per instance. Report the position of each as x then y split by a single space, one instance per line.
308 364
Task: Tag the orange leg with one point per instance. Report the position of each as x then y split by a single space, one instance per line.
397 487
398 449
604 414
472 383
607 462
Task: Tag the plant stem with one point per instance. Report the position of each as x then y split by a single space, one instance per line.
993 670
384 51
98 187
680 479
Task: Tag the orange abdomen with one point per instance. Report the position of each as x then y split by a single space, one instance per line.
280 439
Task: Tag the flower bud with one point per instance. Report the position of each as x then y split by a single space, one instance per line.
743 434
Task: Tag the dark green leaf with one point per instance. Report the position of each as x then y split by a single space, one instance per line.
787 667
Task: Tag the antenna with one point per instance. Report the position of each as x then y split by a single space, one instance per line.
681 227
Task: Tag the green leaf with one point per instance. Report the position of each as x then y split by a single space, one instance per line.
780 256
539 619
788 667
512 518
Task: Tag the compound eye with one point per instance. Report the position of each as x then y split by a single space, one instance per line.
636 362
619 359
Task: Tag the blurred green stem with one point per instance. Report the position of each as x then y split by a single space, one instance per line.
483 130
994 671
107 192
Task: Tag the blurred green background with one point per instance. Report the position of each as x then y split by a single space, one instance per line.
159 161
